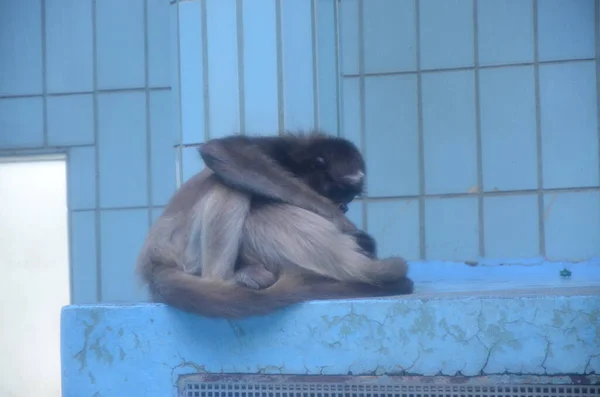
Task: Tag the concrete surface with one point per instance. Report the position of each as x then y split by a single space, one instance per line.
469 330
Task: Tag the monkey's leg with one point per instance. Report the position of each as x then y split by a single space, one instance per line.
286 236
253 275
215 238
215 233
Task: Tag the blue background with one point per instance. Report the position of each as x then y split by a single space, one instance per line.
478 119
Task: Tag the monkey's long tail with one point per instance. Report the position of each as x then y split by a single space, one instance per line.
213 299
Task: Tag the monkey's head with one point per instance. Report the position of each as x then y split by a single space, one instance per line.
332 166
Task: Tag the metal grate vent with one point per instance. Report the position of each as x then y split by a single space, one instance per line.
358 386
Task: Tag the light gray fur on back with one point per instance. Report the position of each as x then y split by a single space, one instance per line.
293 240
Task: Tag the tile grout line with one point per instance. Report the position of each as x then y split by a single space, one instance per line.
362 97
381 199
127 208
538 133
148 126
478 133
464 68
280 79
123 208
96 154
72 93
488 194
41 154
205 71
349 76
315 63
420 132
239 15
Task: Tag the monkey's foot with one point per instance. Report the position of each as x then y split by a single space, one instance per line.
255 277
404 286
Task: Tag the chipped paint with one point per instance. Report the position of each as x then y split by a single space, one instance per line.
466 336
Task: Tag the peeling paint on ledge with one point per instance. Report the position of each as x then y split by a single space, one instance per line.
143 349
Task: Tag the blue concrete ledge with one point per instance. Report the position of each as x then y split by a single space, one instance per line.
141 350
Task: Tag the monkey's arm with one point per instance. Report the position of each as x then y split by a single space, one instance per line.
246 164
366 243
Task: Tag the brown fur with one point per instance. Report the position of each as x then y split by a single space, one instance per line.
218 219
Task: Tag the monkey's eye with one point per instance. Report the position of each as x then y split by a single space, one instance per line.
320 162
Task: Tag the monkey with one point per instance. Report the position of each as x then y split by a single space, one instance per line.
341 159
264 154
260 228
337 156
283 159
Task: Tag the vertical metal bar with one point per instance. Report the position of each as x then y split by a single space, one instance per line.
315 63
280 79
362 97
44 76
338 68
597 43
422 250
179 157
148 128
240 60
205 71
45 144
480 201
70 233
96 154
538 132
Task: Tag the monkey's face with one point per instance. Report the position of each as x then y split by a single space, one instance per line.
336 170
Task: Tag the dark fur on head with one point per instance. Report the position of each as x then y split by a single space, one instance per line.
324 163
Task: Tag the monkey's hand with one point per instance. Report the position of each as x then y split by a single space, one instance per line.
255 277
366 243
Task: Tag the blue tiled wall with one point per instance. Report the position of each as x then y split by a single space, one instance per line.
252 67
92 79
478 119
479 123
